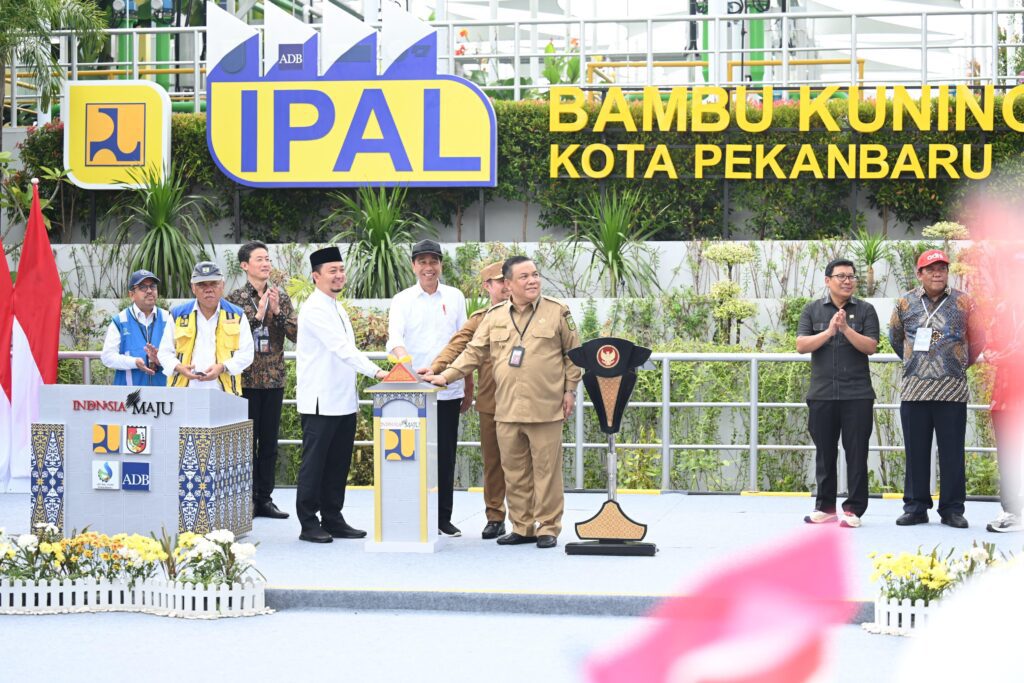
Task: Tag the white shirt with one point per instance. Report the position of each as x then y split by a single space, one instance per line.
424 324
205 352
326 358
111 355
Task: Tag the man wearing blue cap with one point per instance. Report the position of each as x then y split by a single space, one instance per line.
130 347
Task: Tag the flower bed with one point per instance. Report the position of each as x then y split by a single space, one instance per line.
914 583
204 576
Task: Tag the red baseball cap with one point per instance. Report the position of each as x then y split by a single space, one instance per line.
932 256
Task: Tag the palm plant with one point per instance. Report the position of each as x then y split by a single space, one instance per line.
869 249
25 30
173 240
609 222
378 231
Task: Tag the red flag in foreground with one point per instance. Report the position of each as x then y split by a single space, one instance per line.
6 312
36 336
762 620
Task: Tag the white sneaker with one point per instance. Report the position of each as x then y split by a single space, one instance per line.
819 517
1006 522
849 520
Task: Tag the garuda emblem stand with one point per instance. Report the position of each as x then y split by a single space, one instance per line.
609 366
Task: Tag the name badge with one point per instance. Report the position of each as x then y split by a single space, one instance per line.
261 338
923 340
515 359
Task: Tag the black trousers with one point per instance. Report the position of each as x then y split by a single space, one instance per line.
948 421
852 420
1009 428
327 442
265 413
447 439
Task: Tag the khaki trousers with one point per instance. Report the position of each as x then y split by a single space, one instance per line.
531 455
494 475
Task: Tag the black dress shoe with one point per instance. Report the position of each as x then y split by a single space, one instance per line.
343 530
912 518
315 536
269 510
448 529
546 541
955 520
516 539
493 530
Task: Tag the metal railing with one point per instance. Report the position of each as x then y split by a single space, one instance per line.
786 66
663 362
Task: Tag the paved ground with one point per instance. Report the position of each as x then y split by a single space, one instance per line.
693 534
351 646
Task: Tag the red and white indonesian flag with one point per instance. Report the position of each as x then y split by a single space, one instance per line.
35 339
763 619
6 311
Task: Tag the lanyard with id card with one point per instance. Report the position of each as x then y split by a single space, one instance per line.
923 337
261 339
515 358
261 334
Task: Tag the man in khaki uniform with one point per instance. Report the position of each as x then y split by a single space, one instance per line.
526 339
494 478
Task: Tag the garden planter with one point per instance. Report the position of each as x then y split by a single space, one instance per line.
164 598
899 617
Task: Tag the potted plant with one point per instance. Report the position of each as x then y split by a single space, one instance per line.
172 241
912 583
378 230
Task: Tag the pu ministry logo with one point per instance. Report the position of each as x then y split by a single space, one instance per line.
115 132
317 111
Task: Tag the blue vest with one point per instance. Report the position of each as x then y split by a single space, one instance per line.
133 343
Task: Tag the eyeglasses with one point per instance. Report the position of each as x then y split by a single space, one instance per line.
146 288
844 277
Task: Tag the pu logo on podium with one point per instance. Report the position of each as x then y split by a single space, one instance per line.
135 476
399 434
114 132
136 440
316 111
106 439
106 475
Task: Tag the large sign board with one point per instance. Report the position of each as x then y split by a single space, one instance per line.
319 109
115 133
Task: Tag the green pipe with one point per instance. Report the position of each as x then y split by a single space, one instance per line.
756 34
124 50
163 55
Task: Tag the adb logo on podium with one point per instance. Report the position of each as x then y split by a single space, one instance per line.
115 132
320 109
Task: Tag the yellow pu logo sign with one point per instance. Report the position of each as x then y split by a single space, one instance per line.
115 132
315 112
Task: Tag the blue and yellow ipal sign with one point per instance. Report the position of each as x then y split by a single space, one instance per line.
300 118
114 132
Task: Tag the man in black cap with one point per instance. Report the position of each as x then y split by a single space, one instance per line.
130 346
327 361
421 320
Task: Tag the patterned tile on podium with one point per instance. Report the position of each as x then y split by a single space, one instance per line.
48 474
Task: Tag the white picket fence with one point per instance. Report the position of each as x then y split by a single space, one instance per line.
900 617
152 597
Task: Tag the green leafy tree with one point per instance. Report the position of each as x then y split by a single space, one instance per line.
25 30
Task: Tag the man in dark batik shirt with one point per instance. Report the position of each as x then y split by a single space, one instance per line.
271 318
936 332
